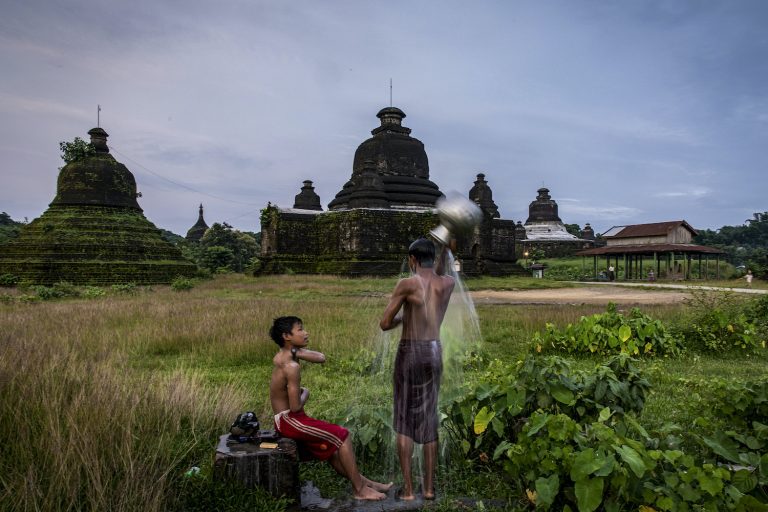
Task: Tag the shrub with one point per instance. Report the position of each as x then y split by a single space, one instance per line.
9 280
718 322
564 465
92 292
124 288
496 410
610 333
46 293
182 284
66 289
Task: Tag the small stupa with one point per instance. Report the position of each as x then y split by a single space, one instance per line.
196 232
544 230
94 231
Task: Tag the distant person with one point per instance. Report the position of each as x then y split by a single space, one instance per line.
748 277
423 299
651 276
315 438
611 273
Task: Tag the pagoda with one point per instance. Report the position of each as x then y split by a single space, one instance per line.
94 231
196 232
388 201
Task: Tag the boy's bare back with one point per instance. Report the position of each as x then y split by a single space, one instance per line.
286 376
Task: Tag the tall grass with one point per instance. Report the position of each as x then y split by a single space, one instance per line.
104 403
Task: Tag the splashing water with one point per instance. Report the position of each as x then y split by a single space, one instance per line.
459 336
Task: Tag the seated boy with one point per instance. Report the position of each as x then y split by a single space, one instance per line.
315 438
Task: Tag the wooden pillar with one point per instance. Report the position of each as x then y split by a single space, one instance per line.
641 267
625 266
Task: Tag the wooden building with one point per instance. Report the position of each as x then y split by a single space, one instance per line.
656 250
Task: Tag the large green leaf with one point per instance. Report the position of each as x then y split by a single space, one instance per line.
625 332
723 445
631 457
537 423
482 419
562 394
585 464
589 494
712 485
546 490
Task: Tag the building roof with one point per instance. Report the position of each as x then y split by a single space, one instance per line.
652 229
650 249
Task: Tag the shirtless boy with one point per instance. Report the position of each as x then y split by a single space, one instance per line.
424 299
315 438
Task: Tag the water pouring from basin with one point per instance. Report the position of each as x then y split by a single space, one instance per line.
419 304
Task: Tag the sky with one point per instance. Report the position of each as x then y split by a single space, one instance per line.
629 112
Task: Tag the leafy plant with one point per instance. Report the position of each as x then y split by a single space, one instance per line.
565 465
719 323
76 150
182 284
9 280
495 411
124 288
372 428
610 333
92 292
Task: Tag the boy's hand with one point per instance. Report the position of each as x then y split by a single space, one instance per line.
304 396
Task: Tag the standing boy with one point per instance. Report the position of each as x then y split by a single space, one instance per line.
315 438
424 299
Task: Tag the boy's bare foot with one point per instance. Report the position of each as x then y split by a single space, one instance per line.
378 486
399 496
368 493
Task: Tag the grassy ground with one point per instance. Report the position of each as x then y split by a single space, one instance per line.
106 402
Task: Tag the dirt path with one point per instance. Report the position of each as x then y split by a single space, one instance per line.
580 295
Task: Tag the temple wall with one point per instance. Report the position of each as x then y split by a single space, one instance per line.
371 242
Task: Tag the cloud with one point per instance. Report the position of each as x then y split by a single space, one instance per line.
691 193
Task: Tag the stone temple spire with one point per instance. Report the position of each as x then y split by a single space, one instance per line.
400 163
307 199
197 231
482 194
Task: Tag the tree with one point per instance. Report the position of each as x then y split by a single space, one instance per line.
9 229
573 229
242 246
744 245
76 150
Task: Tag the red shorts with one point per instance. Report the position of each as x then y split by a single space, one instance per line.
316 438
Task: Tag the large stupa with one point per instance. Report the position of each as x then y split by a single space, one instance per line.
94 231
388 202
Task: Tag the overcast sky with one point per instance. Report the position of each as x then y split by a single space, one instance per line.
629 112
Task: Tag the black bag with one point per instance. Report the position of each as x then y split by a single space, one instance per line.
246 424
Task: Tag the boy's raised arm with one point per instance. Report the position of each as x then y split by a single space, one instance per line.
310 356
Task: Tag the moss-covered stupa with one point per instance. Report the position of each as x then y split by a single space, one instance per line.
94 231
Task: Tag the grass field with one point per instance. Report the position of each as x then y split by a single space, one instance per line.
106 402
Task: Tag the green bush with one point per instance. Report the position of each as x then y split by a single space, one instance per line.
564 465
93 292
127 288
46 293
182 284
9 280
611 333
718 322
495 411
